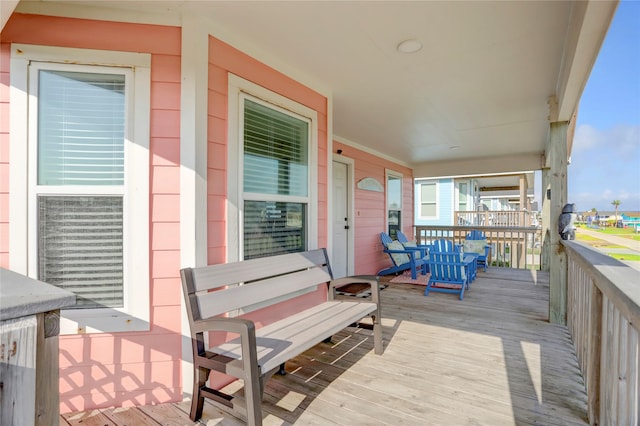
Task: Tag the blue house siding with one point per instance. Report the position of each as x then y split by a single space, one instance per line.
444 204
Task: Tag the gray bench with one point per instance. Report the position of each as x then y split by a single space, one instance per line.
218 296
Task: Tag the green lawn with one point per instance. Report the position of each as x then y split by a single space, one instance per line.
622 256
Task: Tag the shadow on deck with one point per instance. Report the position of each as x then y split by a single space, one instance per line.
490 359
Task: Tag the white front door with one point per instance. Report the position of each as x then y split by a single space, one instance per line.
341 220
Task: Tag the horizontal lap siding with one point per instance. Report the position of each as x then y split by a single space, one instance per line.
369 208
224 59
101 370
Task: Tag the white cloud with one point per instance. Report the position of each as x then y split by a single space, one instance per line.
586 138
623 141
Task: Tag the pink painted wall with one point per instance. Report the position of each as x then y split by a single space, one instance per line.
369 207
224 59
119 369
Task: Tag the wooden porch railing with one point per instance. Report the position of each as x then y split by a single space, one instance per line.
603 316
29 326
495 218
511 247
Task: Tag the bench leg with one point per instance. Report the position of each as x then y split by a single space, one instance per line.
281 370
377 335
201 375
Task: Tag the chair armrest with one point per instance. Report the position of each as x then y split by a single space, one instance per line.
409 251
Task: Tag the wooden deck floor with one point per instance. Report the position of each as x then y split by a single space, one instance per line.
491 359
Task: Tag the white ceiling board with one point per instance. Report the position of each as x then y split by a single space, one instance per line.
481 82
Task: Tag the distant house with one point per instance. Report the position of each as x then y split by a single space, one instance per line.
631 219
438 199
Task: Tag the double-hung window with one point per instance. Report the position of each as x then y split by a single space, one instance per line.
429 200
276 162
87 189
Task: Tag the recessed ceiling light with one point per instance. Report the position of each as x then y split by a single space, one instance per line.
453 148
409 46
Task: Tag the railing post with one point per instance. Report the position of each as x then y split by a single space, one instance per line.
595 353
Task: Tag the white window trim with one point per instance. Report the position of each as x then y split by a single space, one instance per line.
134 316
235 197
387 174
437 216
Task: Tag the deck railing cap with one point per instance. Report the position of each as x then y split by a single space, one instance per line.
22 296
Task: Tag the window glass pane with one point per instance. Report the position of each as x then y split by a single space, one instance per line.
462 196
394 193
81 128
80 247
394 220
428 192
272 228
275 152
428 210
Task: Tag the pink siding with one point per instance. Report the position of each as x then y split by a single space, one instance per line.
224 59
102 370
369 207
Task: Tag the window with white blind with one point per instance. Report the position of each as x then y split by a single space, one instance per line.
429 200
275 153
87 163
275 180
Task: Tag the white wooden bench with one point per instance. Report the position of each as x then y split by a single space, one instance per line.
218 296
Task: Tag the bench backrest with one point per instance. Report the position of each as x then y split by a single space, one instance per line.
252 284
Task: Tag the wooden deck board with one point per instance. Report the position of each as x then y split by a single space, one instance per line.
490 359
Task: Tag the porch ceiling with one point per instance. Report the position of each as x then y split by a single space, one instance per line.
478 89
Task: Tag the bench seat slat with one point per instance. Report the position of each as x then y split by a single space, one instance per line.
214 276
284 339
218 302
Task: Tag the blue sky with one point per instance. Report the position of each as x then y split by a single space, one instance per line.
605 159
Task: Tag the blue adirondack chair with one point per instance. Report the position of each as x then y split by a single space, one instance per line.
410 245
449 271
482 251
469 260
401 258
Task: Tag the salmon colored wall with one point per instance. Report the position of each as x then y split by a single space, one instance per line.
224 59
120 369
369 208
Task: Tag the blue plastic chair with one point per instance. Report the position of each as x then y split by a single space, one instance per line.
450 273
482 259
422 248
401 258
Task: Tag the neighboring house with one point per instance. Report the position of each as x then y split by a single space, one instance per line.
438 199
114 215
631 219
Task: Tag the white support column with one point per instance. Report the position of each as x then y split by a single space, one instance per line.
557 162
193 165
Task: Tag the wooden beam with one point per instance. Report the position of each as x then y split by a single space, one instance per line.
499 188
557 156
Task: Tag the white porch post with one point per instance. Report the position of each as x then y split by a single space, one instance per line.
193 166
556 161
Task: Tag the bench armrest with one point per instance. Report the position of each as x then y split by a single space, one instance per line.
231 325
372 280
